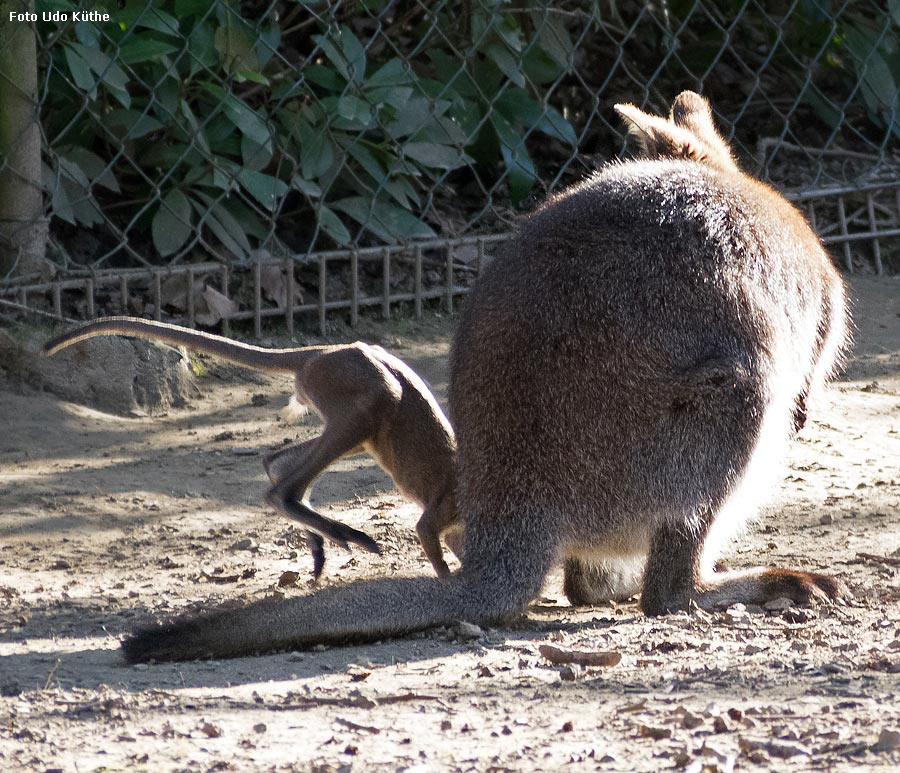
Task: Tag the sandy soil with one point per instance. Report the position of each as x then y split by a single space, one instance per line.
108 521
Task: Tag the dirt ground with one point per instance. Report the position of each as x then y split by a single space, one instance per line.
108 521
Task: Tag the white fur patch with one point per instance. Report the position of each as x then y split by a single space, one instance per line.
294 410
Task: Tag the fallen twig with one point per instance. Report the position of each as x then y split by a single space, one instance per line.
560 657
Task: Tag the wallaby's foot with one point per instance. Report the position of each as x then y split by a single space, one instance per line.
587 583
753 587
799 586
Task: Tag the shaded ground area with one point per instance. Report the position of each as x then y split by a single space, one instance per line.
108 521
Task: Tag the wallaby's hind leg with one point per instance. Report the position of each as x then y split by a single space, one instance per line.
672 579
587 583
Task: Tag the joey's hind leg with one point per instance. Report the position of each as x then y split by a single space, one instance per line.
672 579
286 495
278 464
437 517
587 583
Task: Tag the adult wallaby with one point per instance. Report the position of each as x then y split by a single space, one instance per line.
624 379
370 402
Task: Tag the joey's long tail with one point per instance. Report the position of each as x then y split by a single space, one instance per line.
247 355
359 611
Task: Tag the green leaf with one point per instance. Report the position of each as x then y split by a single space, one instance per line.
520 171
324 77
402 192
143 15
391 73
387 221
130 124
332 225
246 75
172 226
98 171
517 107
415 115
197 131
366 158
345 52
236 48
433 155
395 96
223 225
255 155
70 169
267 43
306 187
109 72
507 63
79 70
554 38
143 49
316 152
83 206
354 109
202 48
246 119
60 205
267 190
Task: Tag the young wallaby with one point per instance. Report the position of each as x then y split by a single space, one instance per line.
668 317
370 402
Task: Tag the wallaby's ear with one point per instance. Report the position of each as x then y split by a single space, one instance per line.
691 111
659 137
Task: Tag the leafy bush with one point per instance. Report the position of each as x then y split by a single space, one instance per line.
187 119
206 126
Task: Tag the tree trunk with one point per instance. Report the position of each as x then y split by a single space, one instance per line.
23 228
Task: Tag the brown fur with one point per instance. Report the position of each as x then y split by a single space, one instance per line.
371 402
669 317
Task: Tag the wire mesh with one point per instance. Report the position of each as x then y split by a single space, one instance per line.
184 132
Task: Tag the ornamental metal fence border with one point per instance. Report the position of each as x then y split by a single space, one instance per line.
858 225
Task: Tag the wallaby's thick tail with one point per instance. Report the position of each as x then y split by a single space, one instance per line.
247 355
360 611
504 572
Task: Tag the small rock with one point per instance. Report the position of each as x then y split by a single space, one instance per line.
567 674
798 615
259 728
141 666
467 631
826 519
243 544
777 605
656 733
888 741
296 657
690 721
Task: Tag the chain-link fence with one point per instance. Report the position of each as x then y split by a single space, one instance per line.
264 135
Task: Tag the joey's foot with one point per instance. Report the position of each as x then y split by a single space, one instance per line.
341 535
801 587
